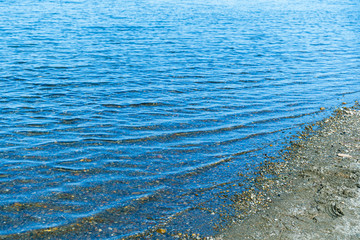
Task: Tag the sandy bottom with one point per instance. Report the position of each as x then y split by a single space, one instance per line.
321 199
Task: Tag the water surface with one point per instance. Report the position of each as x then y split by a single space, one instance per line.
118 117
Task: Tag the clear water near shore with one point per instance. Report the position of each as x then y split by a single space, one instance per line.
137 111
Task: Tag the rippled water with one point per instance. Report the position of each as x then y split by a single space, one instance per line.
122 116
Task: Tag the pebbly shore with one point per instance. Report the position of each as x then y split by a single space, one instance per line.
313 192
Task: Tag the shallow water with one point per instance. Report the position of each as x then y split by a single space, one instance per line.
138 114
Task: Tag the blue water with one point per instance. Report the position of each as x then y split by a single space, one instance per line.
120 117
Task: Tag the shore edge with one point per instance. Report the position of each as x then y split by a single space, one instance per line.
317 194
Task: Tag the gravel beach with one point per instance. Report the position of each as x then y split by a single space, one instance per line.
316 195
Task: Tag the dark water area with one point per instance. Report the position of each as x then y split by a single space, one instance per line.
120 117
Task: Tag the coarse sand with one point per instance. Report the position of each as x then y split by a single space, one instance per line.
320 197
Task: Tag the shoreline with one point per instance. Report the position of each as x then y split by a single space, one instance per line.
314 193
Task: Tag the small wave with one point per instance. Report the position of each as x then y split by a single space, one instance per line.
144 104
72 121
33 133
55 67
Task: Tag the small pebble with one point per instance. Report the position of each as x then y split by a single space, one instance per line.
161 230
